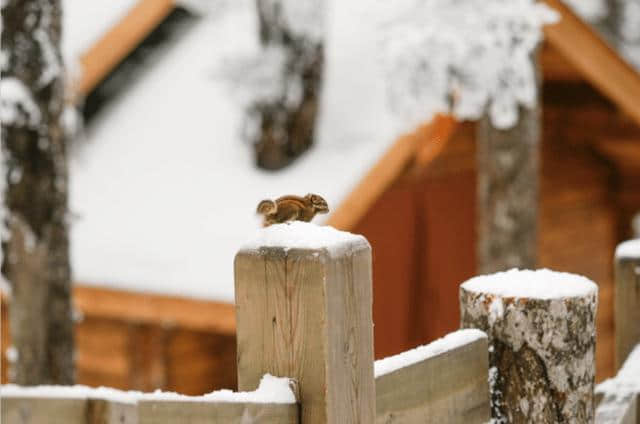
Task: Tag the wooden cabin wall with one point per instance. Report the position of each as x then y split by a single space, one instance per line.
415 294
423 235
423 239
136 355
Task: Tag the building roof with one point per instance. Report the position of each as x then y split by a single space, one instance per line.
164 190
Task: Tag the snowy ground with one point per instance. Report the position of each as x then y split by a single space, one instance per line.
164 191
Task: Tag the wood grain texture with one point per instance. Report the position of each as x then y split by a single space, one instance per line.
448 388
193 314
590 55
101 411
28 410
191 412
307 315
627 307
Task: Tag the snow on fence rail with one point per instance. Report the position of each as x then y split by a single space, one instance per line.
620 396
272 402
303 299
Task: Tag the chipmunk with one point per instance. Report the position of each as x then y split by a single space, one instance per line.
291 208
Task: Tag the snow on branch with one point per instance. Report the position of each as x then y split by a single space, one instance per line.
17 106
302 18
589 10
461 57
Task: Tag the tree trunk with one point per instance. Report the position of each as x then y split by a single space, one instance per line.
541 348
36 247
287 123
507 192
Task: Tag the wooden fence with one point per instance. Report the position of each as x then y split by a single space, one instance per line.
304 313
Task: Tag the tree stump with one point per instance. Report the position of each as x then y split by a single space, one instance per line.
627 299
541 328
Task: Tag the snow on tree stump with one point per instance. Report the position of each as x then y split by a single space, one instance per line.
541 328
304 311
627 299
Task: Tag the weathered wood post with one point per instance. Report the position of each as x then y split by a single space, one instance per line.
541 327
627 299
303 304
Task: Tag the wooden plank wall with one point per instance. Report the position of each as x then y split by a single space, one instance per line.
129 354
579 220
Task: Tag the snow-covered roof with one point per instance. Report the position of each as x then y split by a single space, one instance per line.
85 22
164 191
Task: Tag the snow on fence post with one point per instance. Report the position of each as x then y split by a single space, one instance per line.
304 300
627 299
541 328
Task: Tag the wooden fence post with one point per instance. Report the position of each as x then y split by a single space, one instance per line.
541 328
627 299
304 299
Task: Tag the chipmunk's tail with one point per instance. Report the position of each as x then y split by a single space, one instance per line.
266 207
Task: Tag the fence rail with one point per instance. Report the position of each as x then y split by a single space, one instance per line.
304 312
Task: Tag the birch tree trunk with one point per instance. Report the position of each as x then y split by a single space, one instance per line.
541 343
35 249
287 123
507 192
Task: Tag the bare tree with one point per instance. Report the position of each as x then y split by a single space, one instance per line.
287 122
36 245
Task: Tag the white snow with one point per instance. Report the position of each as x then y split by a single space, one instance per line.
12 354
496 310
305 235
271 390
629 249
86 22
474 52
16 103
628 379
164 192
52 66
538 284
589 10
305 17
445 344
69 392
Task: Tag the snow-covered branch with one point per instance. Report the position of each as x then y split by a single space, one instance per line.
462 56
